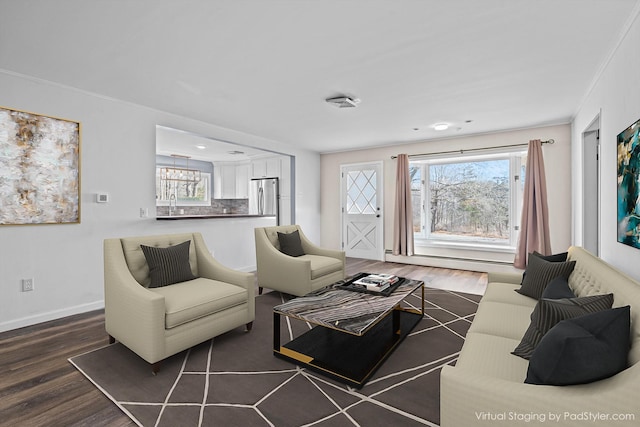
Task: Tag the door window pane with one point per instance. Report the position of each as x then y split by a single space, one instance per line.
361 192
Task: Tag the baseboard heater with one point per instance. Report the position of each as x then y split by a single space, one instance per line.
450 258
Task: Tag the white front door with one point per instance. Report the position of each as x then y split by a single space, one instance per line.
362 213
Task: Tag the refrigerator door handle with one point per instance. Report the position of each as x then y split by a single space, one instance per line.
260 201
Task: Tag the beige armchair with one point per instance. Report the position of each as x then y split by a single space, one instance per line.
299 275
158 322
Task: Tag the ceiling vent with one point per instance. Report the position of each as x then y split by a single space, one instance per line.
343 102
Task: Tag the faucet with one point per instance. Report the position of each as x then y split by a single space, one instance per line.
172 198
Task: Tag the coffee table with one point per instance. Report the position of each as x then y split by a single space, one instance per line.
353 332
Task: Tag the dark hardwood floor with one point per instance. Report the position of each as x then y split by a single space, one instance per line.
39 387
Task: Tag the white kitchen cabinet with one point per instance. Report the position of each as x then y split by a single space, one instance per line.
242 180
230 180
268 167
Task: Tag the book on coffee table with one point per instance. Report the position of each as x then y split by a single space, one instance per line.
377 284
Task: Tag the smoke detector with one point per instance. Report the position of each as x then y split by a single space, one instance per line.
343 102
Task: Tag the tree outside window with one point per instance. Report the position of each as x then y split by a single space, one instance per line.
467 200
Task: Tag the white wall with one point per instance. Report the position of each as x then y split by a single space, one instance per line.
118 157
557 161
616 97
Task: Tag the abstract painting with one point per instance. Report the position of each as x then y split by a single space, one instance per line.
629 186
39 169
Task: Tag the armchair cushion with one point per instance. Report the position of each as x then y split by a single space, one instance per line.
290 243
197 298
322 265
168 265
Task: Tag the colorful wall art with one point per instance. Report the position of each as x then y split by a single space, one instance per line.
39 169
629 186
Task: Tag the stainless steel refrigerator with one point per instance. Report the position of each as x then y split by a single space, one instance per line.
264 197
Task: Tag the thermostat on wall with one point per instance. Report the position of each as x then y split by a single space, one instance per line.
102 197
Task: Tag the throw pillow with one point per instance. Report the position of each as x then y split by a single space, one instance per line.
168 265
561 257
581 350
558 288
290 243
540 272
548 312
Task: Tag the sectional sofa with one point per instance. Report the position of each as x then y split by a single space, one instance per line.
486 387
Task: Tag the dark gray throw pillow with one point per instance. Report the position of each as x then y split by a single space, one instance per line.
290 243
540 272
548 312
582 350
168 265
558 288
561 257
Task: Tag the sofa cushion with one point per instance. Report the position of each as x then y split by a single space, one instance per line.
187 301
290 243
549 312
504 292
322 265
488 355
491 315
558 288
168 265
583 349
540 272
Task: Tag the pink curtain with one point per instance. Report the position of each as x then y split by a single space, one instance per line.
403 219
534 225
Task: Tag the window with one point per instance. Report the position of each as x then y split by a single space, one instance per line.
185 193
468 201
361 191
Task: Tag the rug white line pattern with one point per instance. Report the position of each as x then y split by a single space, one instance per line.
236 375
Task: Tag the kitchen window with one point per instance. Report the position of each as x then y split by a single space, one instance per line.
184 193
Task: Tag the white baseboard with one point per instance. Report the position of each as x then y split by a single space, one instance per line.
50 315
453 263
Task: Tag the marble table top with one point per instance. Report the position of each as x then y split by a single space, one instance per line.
348 311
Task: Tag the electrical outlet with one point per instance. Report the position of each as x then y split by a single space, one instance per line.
27 285
144 212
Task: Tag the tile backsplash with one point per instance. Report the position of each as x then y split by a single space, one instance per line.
233 206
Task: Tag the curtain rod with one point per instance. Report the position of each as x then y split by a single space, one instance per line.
551 141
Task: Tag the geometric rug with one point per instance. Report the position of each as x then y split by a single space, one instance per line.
235 380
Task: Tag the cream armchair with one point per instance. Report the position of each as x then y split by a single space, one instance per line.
318 267
156 323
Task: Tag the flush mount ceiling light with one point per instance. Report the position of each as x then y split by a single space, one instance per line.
343 102
201 147
441 126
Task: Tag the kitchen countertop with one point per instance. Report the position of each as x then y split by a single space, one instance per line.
229 215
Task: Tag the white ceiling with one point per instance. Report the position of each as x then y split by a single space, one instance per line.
171 141
265 67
